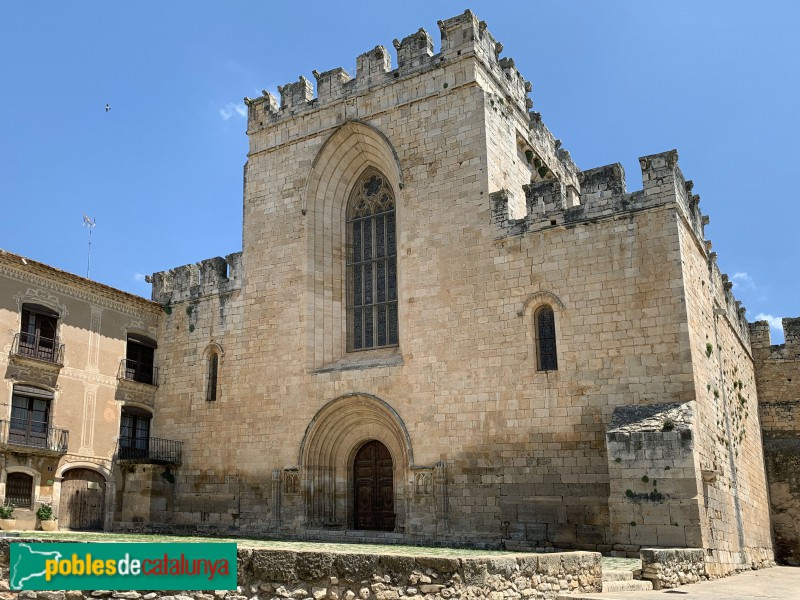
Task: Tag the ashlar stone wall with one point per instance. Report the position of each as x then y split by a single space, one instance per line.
494 221
778 381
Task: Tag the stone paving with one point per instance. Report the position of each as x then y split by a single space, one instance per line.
777 583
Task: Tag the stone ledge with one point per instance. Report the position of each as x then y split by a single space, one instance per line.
267 574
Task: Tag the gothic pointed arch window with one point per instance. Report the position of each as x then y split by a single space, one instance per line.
371 264
545 328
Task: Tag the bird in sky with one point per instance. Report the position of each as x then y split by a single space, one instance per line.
108 108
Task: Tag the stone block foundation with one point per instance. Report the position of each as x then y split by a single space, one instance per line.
268 574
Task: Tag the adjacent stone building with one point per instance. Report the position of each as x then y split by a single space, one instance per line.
440 330
778 382
77 390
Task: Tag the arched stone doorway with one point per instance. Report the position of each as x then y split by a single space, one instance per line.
83 500
356 437
373 488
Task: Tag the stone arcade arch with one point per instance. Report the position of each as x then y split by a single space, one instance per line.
333 439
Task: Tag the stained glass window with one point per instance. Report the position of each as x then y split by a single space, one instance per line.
371 264
546 339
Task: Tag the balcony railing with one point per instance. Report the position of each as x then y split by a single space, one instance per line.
35 346
150 450
132 370
33 434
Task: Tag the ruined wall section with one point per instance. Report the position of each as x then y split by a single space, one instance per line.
778 382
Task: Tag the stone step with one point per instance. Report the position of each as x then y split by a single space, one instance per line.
634 585
617 575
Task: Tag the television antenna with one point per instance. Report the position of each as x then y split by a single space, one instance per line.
90 223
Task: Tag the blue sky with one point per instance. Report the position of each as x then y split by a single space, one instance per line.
161 172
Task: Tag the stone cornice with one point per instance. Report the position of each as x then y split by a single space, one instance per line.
80 288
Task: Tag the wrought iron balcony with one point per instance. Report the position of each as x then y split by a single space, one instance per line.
130 370
153 451
30 345
33 436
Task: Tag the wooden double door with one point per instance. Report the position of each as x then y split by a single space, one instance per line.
83 500
373 479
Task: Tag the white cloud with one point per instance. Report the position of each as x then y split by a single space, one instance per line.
139 277
743 281
231 108
774 322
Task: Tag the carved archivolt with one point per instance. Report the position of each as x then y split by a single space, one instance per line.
328 450
344 422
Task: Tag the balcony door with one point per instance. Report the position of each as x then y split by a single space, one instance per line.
30 417
134 436
140 360
38 336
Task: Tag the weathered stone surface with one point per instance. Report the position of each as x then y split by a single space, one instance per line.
442 564
383 577
274 565
355 567
314 565
778 384
672 567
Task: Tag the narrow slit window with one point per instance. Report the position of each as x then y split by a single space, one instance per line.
211 387
545 324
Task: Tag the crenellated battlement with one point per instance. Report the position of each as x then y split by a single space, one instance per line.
597 193
729 306
762 344
601 193
415 50
189 282
461 36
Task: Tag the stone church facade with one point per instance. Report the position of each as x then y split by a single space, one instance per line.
440 330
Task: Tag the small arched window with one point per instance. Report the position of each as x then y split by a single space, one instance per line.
211 379
371 264
545 327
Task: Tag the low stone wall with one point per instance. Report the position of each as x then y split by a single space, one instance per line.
276 574
671 567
